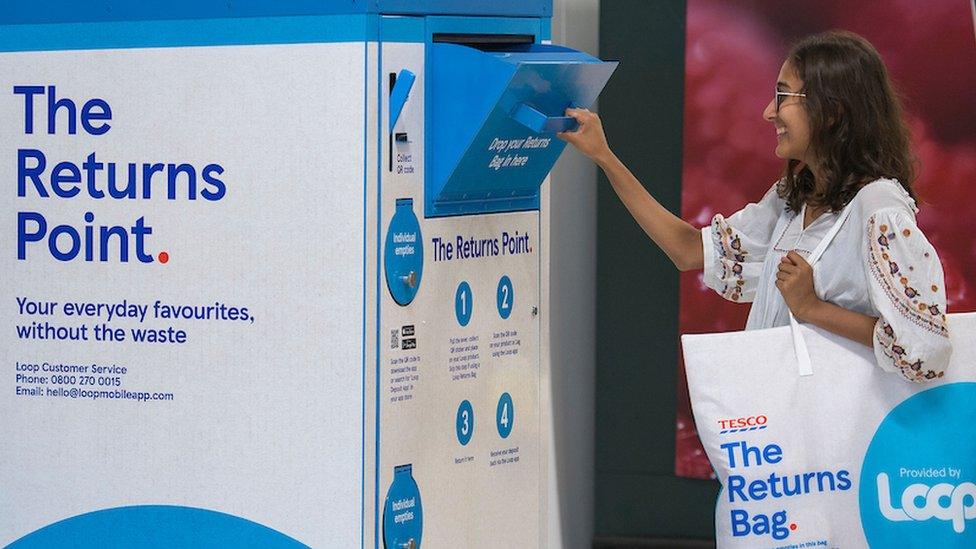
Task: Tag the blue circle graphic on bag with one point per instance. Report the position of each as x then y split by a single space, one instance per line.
918 480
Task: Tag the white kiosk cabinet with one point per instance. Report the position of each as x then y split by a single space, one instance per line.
271 272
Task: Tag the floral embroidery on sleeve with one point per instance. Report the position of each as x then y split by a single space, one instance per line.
894 279
735 247
912 370
733 255
906 286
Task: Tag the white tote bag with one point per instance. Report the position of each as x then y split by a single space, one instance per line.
850 456
817 446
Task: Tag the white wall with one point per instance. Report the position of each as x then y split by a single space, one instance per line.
572 306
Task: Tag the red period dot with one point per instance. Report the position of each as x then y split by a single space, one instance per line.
163 257
793 526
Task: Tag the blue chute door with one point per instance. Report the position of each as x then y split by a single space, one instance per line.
493 122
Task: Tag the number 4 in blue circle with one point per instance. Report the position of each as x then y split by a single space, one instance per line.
505 415
464 424
462 303
505 297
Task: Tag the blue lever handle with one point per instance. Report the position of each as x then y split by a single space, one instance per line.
531 118
399 94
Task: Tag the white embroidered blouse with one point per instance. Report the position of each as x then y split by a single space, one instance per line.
879 264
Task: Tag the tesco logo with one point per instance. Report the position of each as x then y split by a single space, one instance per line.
742 422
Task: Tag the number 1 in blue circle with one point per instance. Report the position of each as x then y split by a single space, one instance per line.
464 424
505 297
505 415
462 303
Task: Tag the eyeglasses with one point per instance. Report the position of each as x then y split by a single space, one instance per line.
781 96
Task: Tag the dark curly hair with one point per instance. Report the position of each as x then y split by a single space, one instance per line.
858 133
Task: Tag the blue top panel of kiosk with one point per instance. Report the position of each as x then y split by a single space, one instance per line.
74 11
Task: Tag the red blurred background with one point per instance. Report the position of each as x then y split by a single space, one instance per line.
733 54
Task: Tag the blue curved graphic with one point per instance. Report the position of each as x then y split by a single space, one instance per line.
918 480
155 526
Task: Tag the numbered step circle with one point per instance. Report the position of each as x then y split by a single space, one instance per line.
462 303
505 297
464 424
505 415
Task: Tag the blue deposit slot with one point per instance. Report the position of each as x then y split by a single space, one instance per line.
493 118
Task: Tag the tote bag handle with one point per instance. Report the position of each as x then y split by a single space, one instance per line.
799 345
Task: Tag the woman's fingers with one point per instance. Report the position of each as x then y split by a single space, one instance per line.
576 114
788 268
584 117
588 137
795 258
572 136
581 119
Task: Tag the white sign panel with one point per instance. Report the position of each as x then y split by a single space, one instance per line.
182 289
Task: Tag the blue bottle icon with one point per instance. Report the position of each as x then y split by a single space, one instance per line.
403 515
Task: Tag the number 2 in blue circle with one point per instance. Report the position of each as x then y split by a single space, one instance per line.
464 425
462 303
505 415
505 296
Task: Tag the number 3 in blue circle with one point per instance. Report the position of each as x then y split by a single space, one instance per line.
505 297
505 415
462 303
464 425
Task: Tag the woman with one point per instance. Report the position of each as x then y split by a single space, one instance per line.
839 126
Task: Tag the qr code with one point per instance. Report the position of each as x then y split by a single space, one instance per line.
395 338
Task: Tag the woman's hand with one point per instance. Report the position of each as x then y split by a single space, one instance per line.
795 281
588 137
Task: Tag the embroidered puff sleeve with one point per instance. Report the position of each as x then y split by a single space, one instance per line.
907 288
735 247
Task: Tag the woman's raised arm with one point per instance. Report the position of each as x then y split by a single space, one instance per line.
677 238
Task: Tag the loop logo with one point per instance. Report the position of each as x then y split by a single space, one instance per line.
961 502
918 480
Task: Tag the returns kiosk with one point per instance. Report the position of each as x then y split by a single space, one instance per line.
276 278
